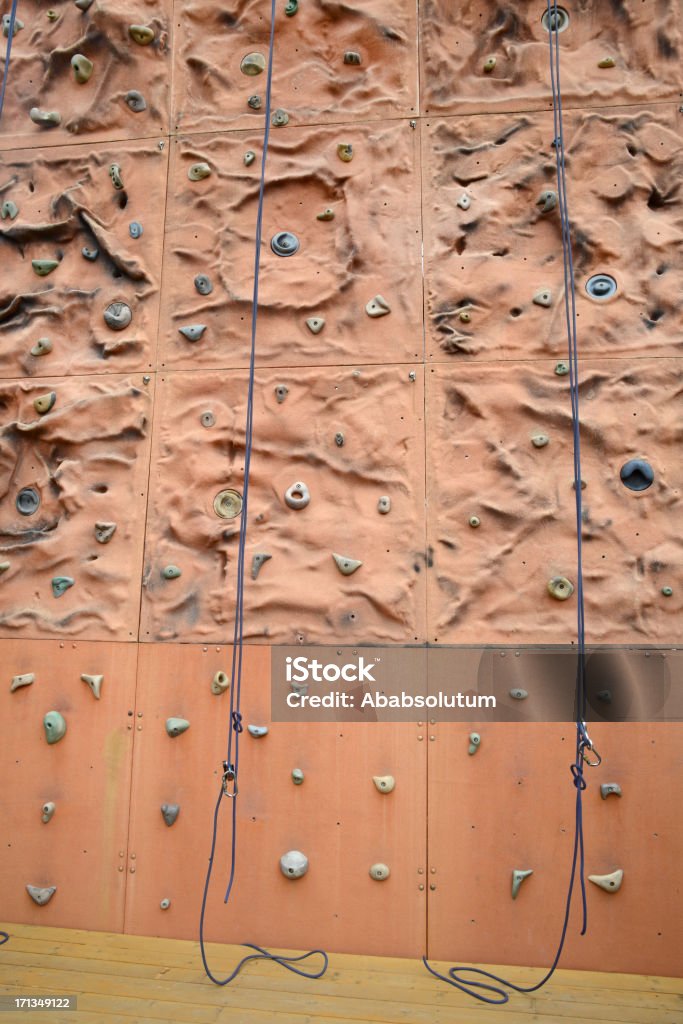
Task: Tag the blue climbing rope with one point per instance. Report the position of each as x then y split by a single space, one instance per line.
584 745
5 74
229 783
5 938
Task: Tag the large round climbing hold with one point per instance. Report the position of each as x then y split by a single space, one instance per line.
228 503
556 21
27 501
601 286
298 495
637 475
560 588
117 316
293 864
284 243
253 64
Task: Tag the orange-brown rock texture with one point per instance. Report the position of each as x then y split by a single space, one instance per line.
411 377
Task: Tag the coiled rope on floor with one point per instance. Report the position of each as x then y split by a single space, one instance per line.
229 782
5 73
466 978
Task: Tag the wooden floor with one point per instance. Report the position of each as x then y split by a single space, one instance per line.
133 980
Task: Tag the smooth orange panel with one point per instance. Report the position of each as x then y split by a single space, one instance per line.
67 203
371 247
81 849
310 79
488 265
488 584
87 461
41 75
641 37
299 594
511 806
337 817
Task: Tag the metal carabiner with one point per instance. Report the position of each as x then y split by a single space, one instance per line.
229 775
587 742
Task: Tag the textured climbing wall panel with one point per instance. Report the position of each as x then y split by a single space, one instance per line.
310 76
77 471
489 583
491 802
86 775
337 817
372 246
641 37
299 594
78 226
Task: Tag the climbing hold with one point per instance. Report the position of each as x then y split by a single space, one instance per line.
27 501
518 694
141 34
543 298
115 175
351 57
297 776
605 696
44 403
667 592
257 731
39 895
346 566
220 683
165 903
325 215
203 284
196 172
339 439
561 369
297 496
557 22
489 65
249 158
601 286
44 267
135 229
174 726
94 682
474 521
135 101
207 419
257 561
560 588
637 475
540 440
517 879
464 316
291 7
60 584
284 243
315 324
464 202
345 152
48 810
547 200
377 307
384 783
279 118
475 742
607 62
380 872
83 5
170 812
192 332
45 118
23 680
54 726
281 392
9 209
384 505
171 572
228 504
104 532
253 64
293 864
41 347
90 254
52 15
610 883
6 21
117 316
4 566
82 68
610 789
254 102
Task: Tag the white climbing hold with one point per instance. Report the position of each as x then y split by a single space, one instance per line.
94 682
293 864
464 202
174 726
24 680
40 895
47 811
384 783
315 324
475 742
220 683
544 297
610 883
610 789
257 730
380 872
346 565
377 307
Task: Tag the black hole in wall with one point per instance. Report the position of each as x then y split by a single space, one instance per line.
123 200
655 200
100 488
515 312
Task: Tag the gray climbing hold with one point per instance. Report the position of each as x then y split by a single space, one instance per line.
220 683
281 392
203 284
297 776
345 152
135 229
174 726
475 743
40 895
325 215
667 592
171 572
540 440
192 332
207 419
254 102
169 812
104 532
465 201
83 5
9 209
60 584
116 177
27 501
610 883
560 588
44 267
257 731
489 65
315 324
141 34
6 22
474 521
284 243
165 903
610 789
293 864
352 57
346 565
279 118
90 254
117 316
253 64
23 680
82 68
547 200
637 475
257 562
604 696
45 118
384 783
601 286
196 172
249 157
384 505
518 694
339 439
41 347
517 879
44 403
47 811
135 101
380 872
377 307
54 725
94 682
297 496
543 297
228 503
561 369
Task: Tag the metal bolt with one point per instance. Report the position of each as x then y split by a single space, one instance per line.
146 379
420 871
412 375
419 739
432 738
120 867
413 123
139 714
432 871
161 144
132 871
421 887
133 856
139 728
432 888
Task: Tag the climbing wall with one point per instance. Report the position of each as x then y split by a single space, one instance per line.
411 413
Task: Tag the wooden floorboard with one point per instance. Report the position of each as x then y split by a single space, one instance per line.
139 980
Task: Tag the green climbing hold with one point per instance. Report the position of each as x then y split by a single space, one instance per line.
291 7
54 726
171 572
60 584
